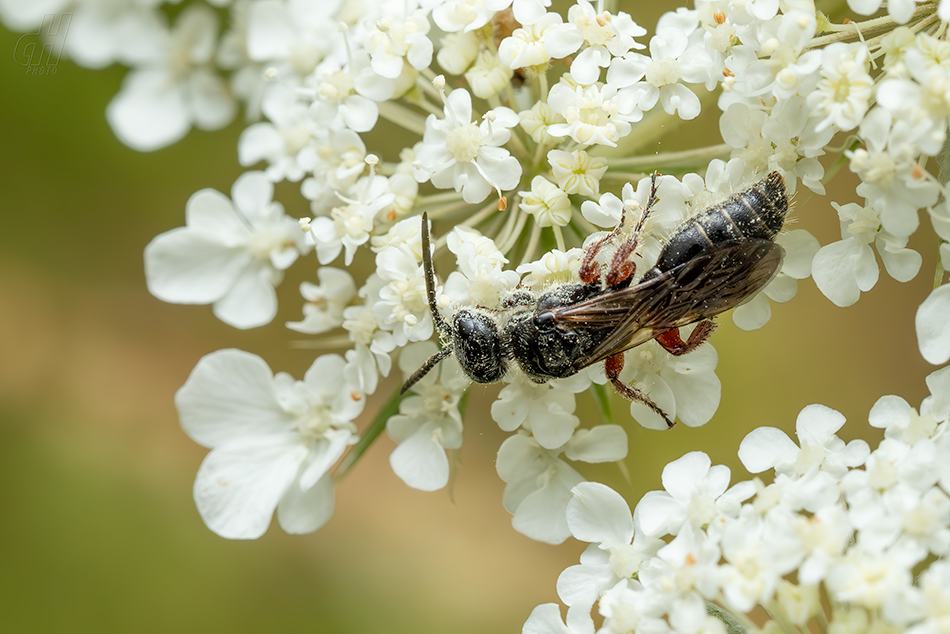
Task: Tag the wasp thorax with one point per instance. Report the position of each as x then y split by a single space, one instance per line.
478 346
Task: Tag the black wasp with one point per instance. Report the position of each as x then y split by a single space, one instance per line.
715 261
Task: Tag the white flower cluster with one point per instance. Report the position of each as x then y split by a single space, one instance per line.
511 119
844 539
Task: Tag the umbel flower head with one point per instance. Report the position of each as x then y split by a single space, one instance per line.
842 537
526 134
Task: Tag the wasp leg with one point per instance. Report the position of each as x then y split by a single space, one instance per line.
672 343
590 269
622 267
612 367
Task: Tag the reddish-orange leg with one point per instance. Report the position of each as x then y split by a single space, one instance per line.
672 343
622 267
612 367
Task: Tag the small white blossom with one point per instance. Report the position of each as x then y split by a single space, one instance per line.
272 439
230 254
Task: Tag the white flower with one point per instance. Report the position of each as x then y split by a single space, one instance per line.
163 98
537 120
543 410
685 387
577 172
428 422
467 15
592 114
349 226
606 37
672 60
291 35
933 328
892 180
279 141
457 51
549 205
272 439
468 157
525 46
597 514
325 302
402 306
399 39
760 551
345 95
538 482
843 94
230 255
554 267
845 268
488 76
695 493
480 278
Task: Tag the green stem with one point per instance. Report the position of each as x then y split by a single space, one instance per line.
559 238
481 214
438 199
532 243
602 398
402 116
685 158
853 29
733 624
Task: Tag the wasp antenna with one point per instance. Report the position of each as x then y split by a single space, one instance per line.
650 202
440 324
424 370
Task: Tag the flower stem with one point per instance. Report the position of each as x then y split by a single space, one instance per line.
481 214
438 199
558 237
684 158
852 30
402 116
532 243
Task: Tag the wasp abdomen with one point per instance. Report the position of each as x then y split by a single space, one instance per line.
755 213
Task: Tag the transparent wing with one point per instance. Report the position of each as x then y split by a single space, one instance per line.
708 284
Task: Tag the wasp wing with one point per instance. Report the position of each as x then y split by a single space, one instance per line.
708 284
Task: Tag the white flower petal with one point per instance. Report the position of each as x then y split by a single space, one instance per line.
230 394
933 326
603 443
148 113
184 266
420 460
817 423
545 619
251 302
681 476
598 514
753 314
300 512
239 485
765 447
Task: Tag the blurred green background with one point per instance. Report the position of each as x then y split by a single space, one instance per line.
99 532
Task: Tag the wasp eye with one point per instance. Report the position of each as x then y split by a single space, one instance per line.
478 347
